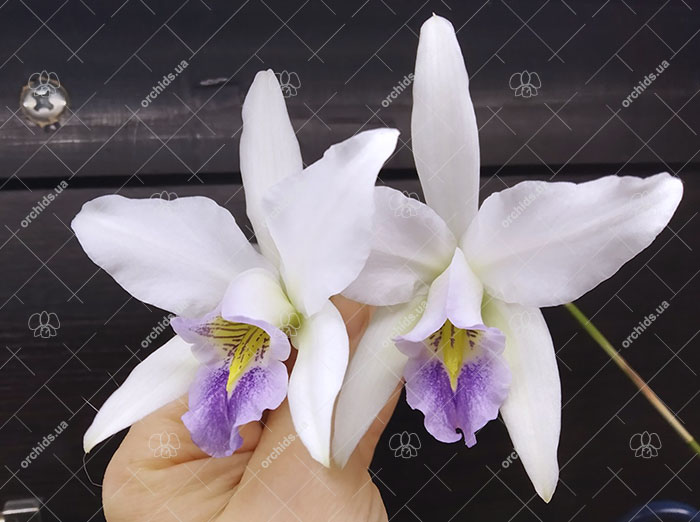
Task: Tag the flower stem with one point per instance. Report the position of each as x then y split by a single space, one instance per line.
634 376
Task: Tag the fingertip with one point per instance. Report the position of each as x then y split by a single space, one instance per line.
355 315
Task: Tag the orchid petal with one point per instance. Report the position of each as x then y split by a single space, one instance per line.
544 244
321 220
411 246
178 255
374 372
159 379
269 151
322 344
443 127
532 410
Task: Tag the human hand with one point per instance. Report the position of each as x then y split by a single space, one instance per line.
257 482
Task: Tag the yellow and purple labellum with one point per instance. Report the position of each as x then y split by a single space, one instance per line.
457 377
242 375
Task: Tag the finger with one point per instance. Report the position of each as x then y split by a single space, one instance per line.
356 317
364 453
161 439
279 425
158 470
281 463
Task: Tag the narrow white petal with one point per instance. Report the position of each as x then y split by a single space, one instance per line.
322 344
321 220
159 379
269 150
374 372
411 246
177 255
257 294
443 126
532 411
544 244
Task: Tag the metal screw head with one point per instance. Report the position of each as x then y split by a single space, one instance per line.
43 99
22 510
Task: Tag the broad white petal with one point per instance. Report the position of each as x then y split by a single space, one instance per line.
177 255
256 295
532 410
322 344
269 150
374 371
455 295
321 220
443 126
159 379
411 246
544 244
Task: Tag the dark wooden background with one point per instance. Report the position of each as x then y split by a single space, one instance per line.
349 56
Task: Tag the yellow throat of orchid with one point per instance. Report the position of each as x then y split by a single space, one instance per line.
243 343
453 345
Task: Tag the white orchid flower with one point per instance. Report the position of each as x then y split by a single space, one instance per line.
454 279
235 306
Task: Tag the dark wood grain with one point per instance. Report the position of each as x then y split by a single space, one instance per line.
99 342
192 125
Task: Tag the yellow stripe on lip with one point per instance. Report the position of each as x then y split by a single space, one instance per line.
243 343
253 345
451 344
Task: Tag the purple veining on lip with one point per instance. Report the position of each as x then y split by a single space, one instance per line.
482 386
215 414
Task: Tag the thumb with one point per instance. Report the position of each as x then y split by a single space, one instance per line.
279 426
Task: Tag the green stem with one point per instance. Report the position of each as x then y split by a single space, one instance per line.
634 376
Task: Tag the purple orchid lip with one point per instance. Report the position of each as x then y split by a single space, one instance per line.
457 377
242 375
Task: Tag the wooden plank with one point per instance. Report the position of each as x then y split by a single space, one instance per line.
350 60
